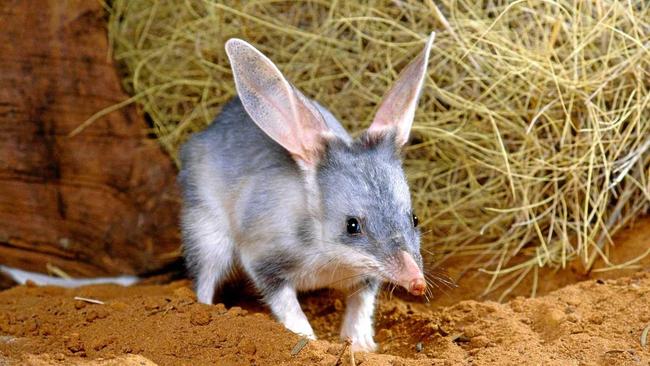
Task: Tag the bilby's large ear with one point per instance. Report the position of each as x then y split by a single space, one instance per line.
279 109
397 109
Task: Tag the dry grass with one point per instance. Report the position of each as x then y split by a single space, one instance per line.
530 146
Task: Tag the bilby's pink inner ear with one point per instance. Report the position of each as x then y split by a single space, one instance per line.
279 109
397 109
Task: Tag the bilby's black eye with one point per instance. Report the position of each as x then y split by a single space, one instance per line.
354 226
416 221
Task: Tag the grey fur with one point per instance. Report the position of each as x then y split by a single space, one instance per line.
274 270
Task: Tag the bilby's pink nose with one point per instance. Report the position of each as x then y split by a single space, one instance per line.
417 287
410 276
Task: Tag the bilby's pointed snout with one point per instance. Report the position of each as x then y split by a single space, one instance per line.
410 275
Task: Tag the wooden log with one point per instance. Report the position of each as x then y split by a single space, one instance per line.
102 202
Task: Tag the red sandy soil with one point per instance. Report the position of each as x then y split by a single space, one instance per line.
599 321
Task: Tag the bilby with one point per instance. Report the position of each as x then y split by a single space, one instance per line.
277 189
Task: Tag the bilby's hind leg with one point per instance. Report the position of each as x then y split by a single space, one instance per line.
209 250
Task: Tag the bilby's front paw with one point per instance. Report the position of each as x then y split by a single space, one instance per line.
300 327
361 342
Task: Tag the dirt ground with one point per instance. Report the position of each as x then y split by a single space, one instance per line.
577 319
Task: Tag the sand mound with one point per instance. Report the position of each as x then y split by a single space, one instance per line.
594 322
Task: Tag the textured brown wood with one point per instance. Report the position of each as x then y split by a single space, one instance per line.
101 202
6 281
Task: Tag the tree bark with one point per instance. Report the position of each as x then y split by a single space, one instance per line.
101 202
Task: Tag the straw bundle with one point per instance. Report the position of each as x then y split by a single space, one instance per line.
530 146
